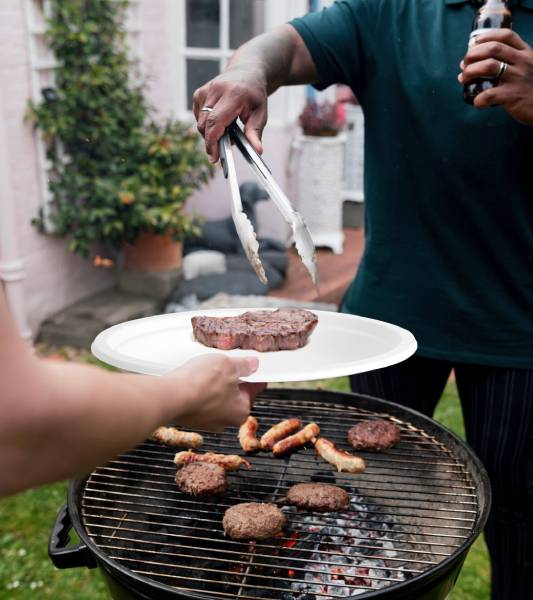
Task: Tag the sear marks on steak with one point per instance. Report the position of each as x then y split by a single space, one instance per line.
253 521
321 497
202 479
374 435
261 330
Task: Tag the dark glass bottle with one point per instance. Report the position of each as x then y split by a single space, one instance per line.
493 14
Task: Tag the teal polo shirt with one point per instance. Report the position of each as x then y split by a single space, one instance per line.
448 187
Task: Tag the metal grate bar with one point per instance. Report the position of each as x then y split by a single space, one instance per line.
360 478
314 465
213 530
257 564
376 458
391 512
264 587
327 417
153 448
388 459
257 575
204 520
359 489
326 413
150 447
210 539
241 553
166 457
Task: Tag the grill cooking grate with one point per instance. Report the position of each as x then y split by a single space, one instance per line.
413 506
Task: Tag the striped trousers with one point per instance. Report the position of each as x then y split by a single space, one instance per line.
498 412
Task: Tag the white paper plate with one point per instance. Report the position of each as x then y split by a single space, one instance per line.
340 345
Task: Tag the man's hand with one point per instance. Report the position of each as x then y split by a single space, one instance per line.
258 68
217 398
514 91
239 92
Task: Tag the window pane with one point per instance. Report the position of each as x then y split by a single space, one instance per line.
199 71
203 23
247 19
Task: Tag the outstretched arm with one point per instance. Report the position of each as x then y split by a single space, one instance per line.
60 420
258 68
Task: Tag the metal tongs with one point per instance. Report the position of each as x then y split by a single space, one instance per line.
245 231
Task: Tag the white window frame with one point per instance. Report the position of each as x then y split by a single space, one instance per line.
220 54
289 100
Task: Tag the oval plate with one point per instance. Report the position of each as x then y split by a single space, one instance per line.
340 345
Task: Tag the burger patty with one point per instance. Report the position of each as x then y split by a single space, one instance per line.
318 496
373 435
202 479
261 330
253 521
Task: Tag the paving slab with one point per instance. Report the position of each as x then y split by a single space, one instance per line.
78 324
158 285
229 301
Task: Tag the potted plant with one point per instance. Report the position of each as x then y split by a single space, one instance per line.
322 120
152 199
118 180
321 171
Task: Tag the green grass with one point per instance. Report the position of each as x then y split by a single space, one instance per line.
25 522
25 569
474 580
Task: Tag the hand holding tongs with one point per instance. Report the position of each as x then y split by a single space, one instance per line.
245 231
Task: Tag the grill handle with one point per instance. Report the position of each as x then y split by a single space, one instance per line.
61 555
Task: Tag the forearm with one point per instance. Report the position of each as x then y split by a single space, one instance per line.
84 416
60 420
279 57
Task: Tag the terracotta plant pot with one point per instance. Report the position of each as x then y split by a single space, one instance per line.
152 252
322 133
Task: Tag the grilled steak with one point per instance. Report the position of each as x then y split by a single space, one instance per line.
253 521
261 330
318 496
373 435
202 479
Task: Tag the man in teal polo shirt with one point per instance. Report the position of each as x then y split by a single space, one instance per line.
449 215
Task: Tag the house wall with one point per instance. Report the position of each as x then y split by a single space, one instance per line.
161 48
53 277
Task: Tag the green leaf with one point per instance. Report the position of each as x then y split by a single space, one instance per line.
101 141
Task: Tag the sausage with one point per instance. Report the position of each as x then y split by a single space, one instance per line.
247 437
174 437
278 432
230 462
343 461
308 433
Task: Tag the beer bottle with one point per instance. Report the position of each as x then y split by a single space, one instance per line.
493 14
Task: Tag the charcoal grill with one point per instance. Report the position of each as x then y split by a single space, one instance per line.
413 515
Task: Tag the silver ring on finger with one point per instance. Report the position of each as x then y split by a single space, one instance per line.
206 109
501 71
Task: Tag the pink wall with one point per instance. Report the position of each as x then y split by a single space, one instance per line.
160 67
159 49
54 278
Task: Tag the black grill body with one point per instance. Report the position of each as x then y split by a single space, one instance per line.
414 514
